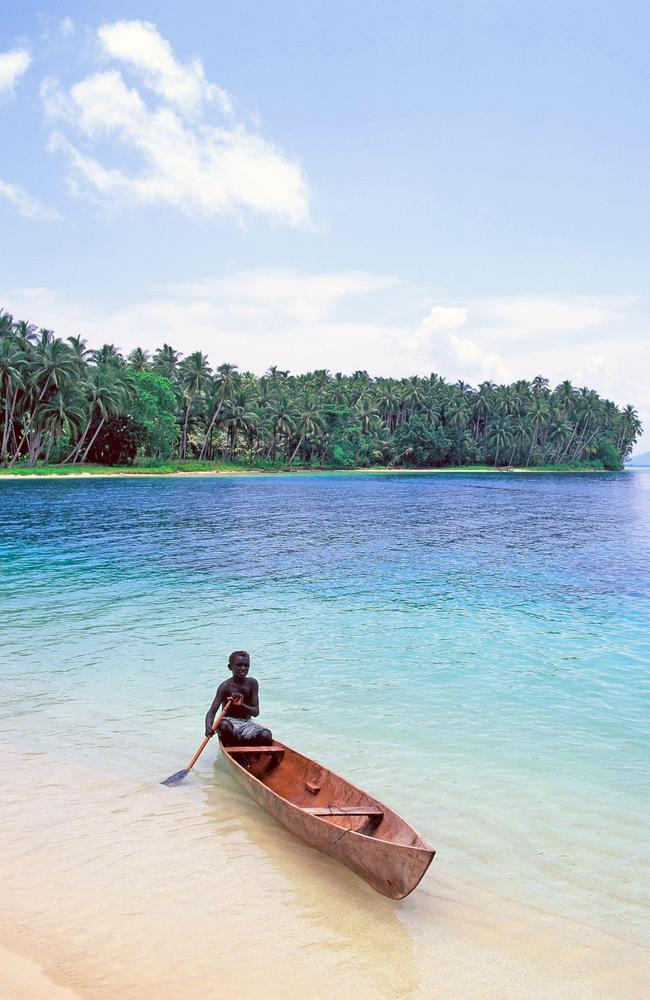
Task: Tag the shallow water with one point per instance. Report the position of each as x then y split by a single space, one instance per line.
472 649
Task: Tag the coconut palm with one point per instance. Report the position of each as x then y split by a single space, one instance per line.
194 378
500 436
310 422
139 360
239 414
106 394
11 363
61 414
165 361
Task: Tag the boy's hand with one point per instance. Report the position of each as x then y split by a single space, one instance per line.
238 699
209 731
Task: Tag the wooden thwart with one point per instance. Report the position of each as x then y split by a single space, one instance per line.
342 811
254 749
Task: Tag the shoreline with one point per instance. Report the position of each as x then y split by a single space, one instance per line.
379 471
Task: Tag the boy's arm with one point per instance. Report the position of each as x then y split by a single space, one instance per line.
252 704
212 711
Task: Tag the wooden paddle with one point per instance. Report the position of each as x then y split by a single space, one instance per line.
173 779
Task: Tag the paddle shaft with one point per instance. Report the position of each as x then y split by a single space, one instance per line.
215 726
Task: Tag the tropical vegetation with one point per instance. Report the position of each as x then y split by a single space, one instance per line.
64 403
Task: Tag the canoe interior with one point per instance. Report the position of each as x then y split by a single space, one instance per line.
308 785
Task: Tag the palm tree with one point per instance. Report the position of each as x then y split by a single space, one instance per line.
389 401
630 428
106 394
62 414
539 385
79 348
11 360
26 333
537 414
194 378
239 414
500 436
309 424
107 354
165 361
6 323
138 360
219 391
52 367
282 423
366 414
55 365
559 436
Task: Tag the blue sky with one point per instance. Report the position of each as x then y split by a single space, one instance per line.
453 187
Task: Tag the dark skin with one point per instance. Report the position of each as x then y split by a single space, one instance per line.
244 691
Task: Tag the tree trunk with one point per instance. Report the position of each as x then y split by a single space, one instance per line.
35 445
8 421
208 433
79 445
532 443
565 450
92 440
296 450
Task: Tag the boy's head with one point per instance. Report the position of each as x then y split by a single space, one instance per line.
239 663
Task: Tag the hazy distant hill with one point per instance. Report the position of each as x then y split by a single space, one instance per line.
643 459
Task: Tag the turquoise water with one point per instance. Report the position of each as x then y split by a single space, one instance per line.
471 648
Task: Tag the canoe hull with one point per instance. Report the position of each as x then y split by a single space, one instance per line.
392 868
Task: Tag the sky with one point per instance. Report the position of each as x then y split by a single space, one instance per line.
458 187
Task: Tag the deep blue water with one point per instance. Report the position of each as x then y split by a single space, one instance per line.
472 648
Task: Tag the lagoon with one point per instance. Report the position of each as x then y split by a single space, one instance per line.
473 649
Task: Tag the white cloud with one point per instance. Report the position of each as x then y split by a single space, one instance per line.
13 64
66 26
437 340
187 160
286 295
552 313
25 204
139 44
517 320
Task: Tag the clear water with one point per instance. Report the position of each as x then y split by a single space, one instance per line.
471 648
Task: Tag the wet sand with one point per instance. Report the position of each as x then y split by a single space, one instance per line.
119 887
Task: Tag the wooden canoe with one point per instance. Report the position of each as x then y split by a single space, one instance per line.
333 816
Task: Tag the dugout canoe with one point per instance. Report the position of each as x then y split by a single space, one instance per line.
333 816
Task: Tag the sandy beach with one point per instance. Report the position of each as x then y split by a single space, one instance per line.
285 472
125 888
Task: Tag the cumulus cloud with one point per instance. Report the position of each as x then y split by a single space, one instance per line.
139 44
436 339
25 204
13 64
517 321
284 294
187 159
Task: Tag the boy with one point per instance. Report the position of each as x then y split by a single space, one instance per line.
236 727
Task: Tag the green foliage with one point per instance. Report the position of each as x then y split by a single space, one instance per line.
117 442
608 454
418 443
153 410
61 401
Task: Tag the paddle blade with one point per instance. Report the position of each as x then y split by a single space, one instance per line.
173 779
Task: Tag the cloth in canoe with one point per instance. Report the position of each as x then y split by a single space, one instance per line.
234 731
